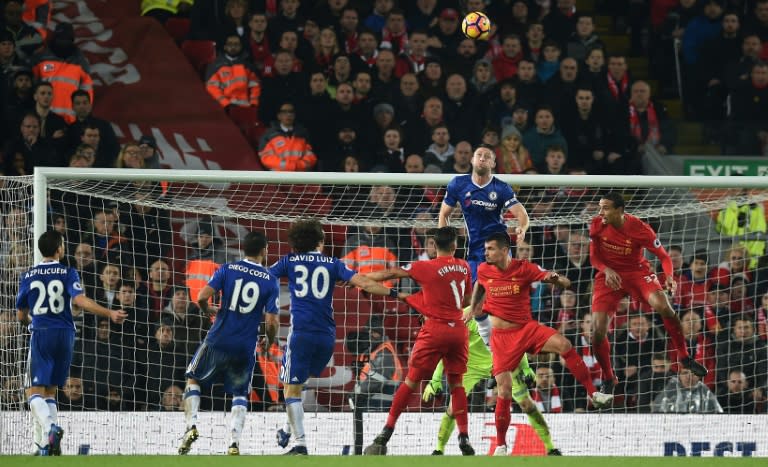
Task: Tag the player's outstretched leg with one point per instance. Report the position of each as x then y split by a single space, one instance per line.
399 403
191 408
239 409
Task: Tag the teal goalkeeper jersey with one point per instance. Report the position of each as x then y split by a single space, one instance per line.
480 359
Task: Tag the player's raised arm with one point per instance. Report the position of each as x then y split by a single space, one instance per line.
558 280
523 221
371 286
476 303
116 316
203 297
444 216
387 274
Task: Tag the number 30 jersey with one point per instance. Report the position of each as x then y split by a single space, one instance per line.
248 290
311 280
47 290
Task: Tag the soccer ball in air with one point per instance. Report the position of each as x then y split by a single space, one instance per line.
476 26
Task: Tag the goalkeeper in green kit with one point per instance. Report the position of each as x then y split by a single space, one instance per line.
478 369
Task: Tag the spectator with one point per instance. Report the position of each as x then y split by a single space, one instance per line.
284 147
18 101
104 236
235 21
72 398
230 80
534 40
633 350
590 138
652 381
155 294
30 150
66 68
108 146
467 54
697 274
751 130
505 66
743 349
543 135
614 90
761 318
390 158
529 88
340 75
446 35
147 227
463 113
384 78
574 394
648 125
378 17
720 50
28 39
282 85
738 69
512 157
565 321
737 262
367 48
134 332
549 63
483 79
576 265
349 25
164 365
369 250
758 22
173 399
684 393
699 31
562 87
503 105
382 373
583 39
52 127
105 364
739 399
86 266
189 325
554 162
460 162
441 148
546 394
422 14
149 152
595 68
408 101
418 133
106 293
394 35
701 345
559 22
130 156
257 45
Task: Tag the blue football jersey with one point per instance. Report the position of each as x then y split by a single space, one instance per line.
311 280
248 290
483 208
47 290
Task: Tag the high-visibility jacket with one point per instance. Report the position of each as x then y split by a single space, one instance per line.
232 82
366 253
287 151
167 5
37 13
66 76
397 372
270 369
199 272
736 220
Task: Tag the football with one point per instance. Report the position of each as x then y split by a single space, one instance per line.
476 25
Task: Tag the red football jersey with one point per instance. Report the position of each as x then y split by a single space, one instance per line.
622 249
444 282
508 292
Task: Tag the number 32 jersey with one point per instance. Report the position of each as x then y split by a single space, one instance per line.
311 280
47 290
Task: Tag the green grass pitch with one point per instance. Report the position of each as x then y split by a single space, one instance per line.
358 461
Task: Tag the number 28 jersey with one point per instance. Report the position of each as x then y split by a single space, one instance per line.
311 279
47 290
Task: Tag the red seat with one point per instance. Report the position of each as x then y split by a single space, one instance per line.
178 28
199 53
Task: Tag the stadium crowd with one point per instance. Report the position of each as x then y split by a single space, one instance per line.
376 86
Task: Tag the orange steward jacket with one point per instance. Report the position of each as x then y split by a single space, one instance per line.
232 82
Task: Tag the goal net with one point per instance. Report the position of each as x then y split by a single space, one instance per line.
147 241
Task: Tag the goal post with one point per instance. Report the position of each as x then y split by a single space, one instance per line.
155 221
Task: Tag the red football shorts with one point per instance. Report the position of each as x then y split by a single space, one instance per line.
509 345
440 340
639 285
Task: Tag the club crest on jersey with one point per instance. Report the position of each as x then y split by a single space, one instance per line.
492 196
656 243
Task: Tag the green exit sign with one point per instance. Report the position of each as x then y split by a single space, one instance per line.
725 167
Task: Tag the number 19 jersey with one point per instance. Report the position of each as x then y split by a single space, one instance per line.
47 290
247 291
311 280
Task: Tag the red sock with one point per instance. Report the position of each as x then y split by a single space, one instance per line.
459 407
503 418
602 352
399 403
577 367
672 325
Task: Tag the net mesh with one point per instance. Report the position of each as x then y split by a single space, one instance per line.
148 247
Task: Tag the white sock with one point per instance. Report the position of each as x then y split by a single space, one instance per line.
191 404
484 328
295 410
239 409
38 434
287 426
53 410
42 413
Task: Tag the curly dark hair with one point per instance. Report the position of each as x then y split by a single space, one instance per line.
305 235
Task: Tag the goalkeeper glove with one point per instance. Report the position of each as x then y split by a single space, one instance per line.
529 378
431 391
